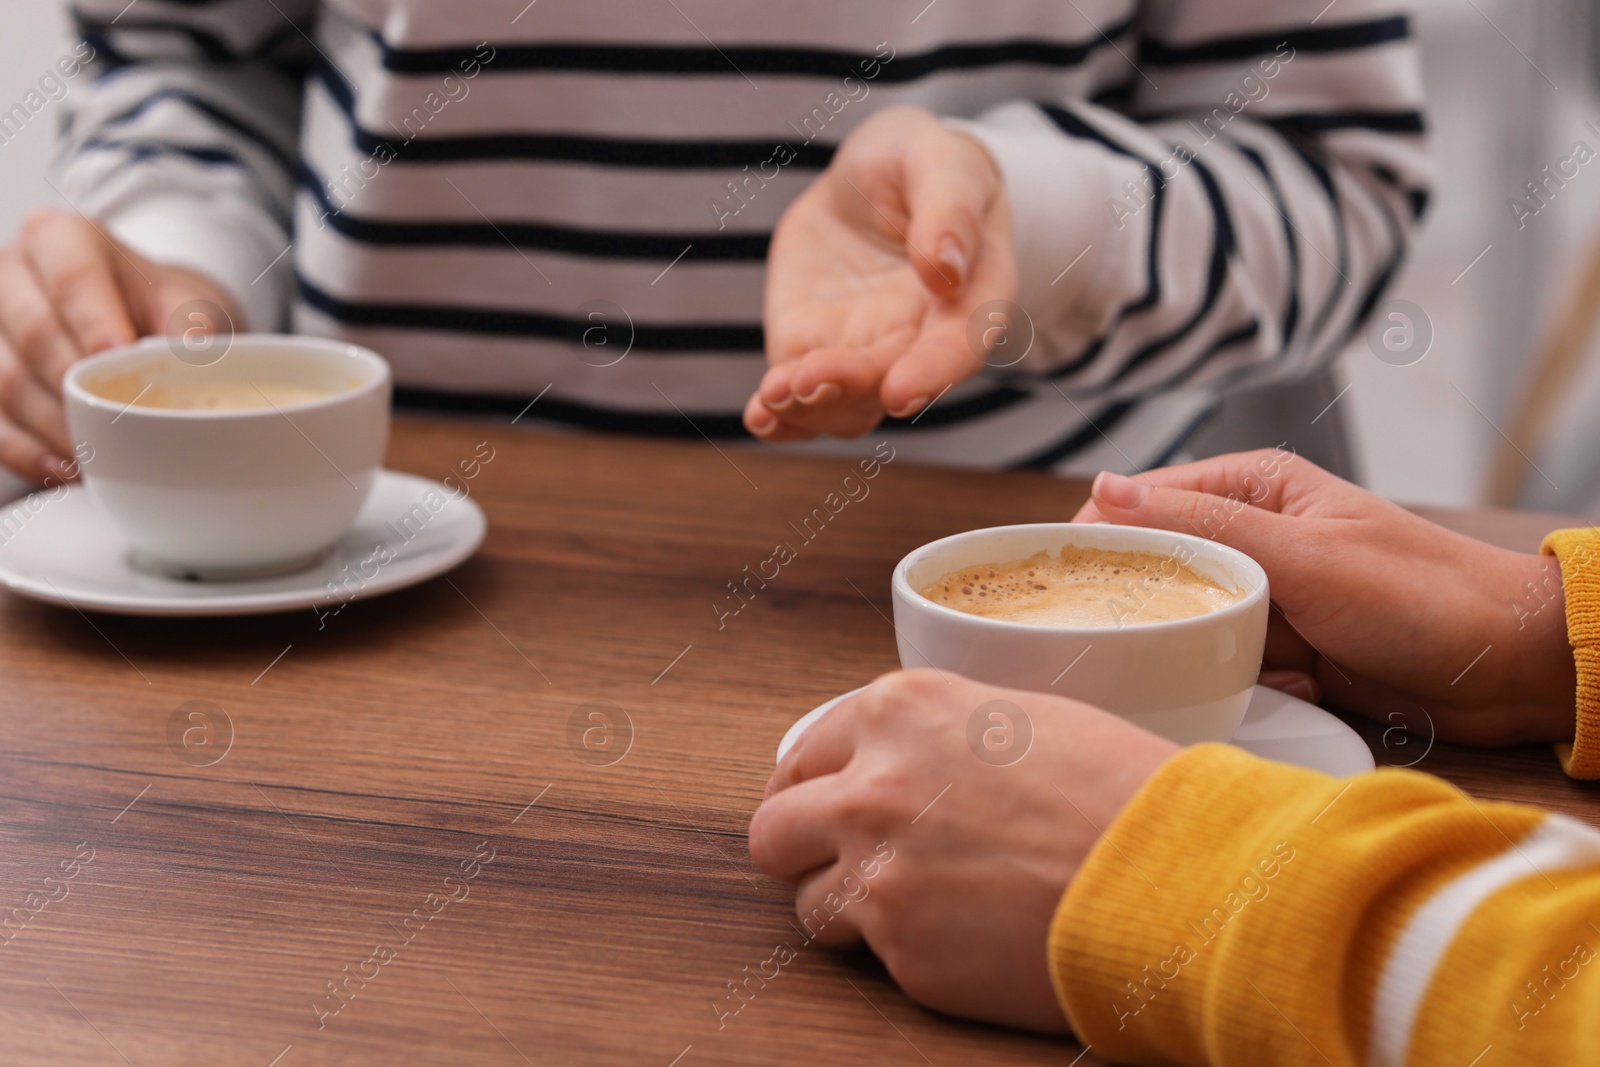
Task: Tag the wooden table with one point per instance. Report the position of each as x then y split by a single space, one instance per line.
375 754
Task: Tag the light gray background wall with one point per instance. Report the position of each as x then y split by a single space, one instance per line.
35 35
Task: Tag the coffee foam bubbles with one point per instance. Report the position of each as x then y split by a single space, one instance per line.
1082 587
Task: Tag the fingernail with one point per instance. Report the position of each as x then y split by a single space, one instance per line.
952 257
825 393
762 421
1119 492
910 408
55 467
782 400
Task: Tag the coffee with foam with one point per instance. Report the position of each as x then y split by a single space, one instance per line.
136 390
1082 587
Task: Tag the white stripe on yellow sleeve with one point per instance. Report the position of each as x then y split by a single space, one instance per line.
1556 843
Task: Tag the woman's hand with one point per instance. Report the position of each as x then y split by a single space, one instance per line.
68 290
939 820
1379 610
874 273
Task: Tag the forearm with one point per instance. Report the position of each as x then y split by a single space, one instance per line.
1235 225
185 140
1241 912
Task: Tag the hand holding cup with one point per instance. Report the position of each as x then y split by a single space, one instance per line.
69 290
1375 607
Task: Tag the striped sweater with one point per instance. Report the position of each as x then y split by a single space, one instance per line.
1207 193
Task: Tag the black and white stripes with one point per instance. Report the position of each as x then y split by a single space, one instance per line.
459 186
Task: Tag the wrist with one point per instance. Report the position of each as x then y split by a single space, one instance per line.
1076 261
1143 756
1543 677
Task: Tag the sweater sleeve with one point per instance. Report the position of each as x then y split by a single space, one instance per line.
183 139
1229 215
1578 551
1243 912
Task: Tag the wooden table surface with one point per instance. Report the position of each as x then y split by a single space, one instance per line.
414 773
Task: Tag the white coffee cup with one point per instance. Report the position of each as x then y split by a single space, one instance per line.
235 492
1187 679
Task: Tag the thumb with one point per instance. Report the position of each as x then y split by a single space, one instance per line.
950 185
1264 536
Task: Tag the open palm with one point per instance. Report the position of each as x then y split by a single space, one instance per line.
874 274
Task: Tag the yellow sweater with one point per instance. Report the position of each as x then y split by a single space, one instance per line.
1386 919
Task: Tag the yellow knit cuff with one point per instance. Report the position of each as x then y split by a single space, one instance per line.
1579 554
1241 912
1128 947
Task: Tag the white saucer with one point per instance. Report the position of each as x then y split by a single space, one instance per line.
67 552
1276 726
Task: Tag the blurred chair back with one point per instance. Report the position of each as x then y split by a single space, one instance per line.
1555 369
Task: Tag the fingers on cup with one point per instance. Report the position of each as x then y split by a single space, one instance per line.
1228 520
825 748
73 262
792 833
30 325
25 455
30 407
822 906
1259 478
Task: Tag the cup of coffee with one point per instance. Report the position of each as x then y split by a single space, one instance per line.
245 465
1164 629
